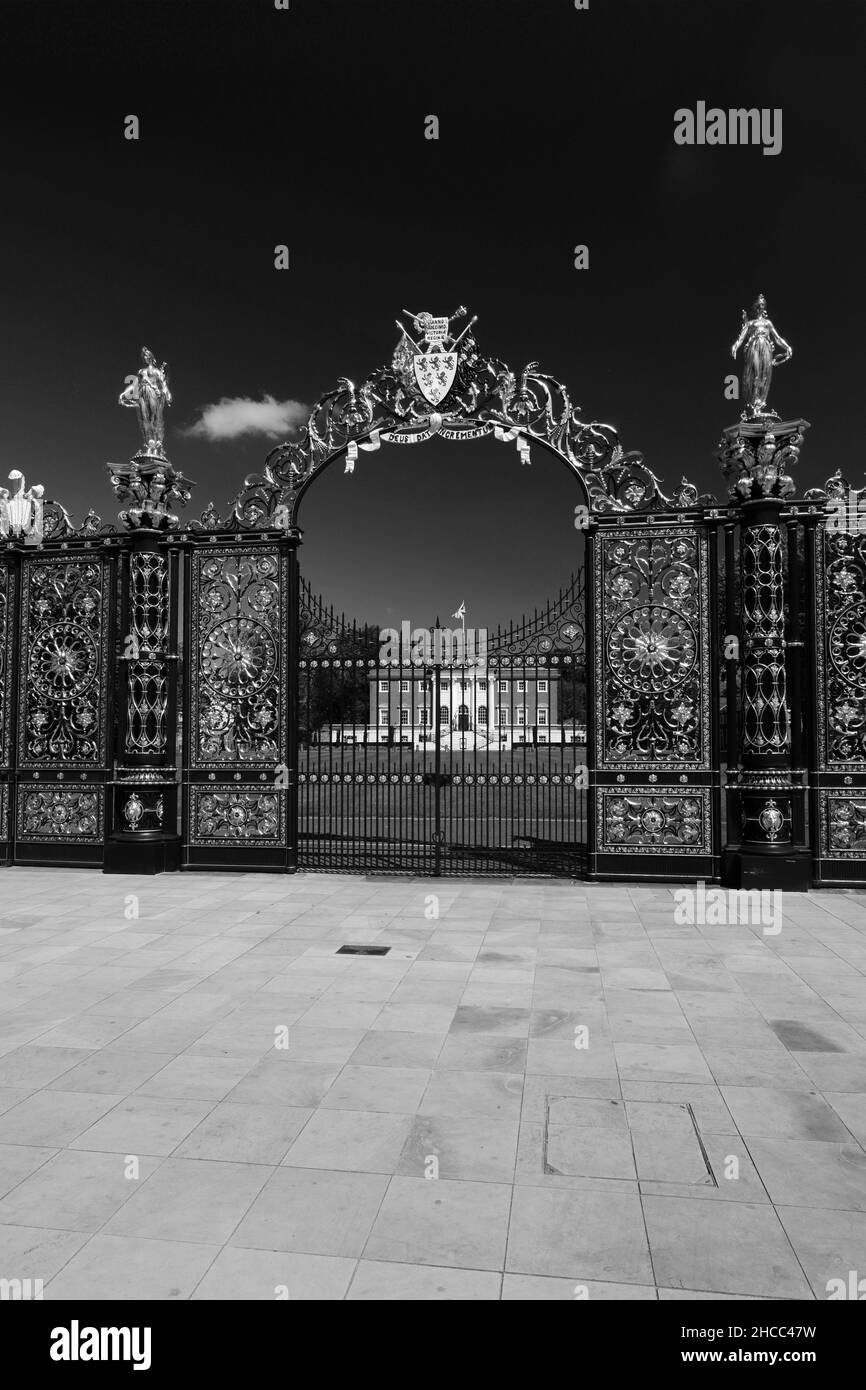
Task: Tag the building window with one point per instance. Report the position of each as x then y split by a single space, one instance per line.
542 738
383 687
464 685
482 685
383 718
482 714
404 687
521 687
445 685
521 716
503 687
503 716
542 687
444 714
425 718
404 716
542 716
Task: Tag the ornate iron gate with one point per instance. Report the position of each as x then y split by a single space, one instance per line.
446 762
237 729
8 616
836 547
653 719
444 766
65 717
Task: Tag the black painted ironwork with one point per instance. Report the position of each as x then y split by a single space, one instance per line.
236 745
173 695
65 675
653 718
836 558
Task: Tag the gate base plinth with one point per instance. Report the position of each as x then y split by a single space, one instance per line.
791 870
139 854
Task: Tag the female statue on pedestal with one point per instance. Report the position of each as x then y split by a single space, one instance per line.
148 393
761 341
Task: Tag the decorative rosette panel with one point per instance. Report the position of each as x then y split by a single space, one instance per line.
64 635
840 546
238 670
652 668
842 671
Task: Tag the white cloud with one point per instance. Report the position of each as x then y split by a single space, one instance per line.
232 417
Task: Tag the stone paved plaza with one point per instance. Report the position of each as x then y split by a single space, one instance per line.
618 1106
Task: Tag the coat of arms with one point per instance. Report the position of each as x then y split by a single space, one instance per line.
435 356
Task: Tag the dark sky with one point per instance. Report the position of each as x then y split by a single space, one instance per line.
261 127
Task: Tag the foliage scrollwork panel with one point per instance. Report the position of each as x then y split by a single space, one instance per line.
238 675
64 662
635 821
224 815
652 649
842 654
61 814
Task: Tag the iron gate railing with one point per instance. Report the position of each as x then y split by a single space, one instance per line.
457 766
413 786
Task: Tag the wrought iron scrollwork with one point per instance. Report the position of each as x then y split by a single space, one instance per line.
60 814
841 576
648 823
147 691
222 814
765 710
62 715
653 592
239 682
485 393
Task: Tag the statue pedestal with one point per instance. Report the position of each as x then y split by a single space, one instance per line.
148 484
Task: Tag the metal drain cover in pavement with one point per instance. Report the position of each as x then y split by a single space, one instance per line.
363 951
655 1141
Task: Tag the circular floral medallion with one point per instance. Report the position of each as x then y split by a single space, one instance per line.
847 643
652 649
238 657
63 661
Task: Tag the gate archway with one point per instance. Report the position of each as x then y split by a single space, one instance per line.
386 770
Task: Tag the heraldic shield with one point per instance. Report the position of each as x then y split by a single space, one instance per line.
434 373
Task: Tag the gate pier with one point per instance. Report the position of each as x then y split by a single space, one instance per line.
766 845
142 808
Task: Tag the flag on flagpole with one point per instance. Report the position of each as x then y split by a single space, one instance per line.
461 612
